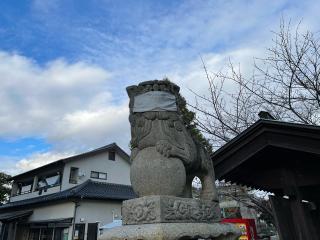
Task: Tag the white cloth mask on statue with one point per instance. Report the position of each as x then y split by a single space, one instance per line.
155 101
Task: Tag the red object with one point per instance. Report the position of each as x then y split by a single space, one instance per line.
247 226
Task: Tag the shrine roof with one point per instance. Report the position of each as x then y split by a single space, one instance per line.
260 155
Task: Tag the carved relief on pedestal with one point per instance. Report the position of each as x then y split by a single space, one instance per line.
141 211
191 211
157 209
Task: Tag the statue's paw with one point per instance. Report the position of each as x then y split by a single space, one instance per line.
164 148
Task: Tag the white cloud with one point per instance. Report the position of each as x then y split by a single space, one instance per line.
14 166
94 127
69 104
38 160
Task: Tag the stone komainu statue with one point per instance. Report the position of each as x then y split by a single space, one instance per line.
165 156
165 159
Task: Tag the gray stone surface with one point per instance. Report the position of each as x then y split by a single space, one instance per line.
155 133
173 231
153 174
165 209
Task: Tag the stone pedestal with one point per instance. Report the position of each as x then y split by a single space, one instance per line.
170 218
173 231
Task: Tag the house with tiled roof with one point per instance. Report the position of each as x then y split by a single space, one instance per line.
69 198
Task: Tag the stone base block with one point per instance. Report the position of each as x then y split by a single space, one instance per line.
169 209
173 231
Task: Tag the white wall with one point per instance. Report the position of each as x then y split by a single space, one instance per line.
91 211
118 171
56 211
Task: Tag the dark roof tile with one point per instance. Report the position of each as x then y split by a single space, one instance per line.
87 190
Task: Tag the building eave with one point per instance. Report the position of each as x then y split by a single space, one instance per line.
87 190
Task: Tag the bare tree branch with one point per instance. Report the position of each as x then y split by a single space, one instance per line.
285 83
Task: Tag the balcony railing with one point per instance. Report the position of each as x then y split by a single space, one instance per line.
21 193
36 193
43 189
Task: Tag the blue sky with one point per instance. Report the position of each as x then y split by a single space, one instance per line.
64 65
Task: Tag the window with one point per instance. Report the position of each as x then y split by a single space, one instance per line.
98 175
24 188
53 180
79 232
112 155
42 183
49 181
34 234
61 233
46 234
94 174
102 175
74 172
